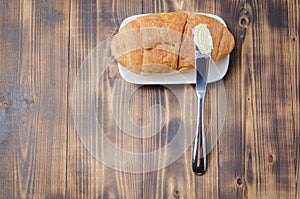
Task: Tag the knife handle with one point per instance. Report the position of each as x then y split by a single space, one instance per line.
199 153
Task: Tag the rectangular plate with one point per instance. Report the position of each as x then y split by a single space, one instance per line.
216 71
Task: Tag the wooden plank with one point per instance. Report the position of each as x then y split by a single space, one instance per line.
92 23
231 144
178 180
294 47
268 152
33 98
275 132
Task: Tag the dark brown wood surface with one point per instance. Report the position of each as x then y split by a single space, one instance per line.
45 43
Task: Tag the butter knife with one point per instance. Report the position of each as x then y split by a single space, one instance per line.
202 62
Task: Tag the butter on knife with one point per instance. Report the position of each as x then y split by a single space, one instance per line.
203 39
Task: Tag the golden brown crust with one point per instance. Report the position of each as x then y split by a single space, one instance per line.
223 41
163 48
132 60
156 41
159 43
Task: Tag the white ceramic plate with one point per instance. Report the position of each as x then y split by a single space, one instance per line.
216 71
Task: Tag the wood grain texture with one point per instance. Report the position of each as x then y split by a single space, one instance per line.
33 105
294 49
178 180
231 142
44 44
91 23
268 129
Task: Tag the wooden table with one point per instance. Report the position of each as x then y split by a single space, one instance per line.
43 46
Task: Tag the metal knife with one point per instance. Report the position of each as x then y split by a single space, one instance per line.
202 62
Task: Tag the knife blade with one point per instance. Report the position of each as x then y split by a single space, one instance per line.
202 62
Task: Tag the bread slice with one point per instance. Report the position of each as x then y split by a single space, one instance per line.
131 57
223 41
150 44
161 38
161 43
